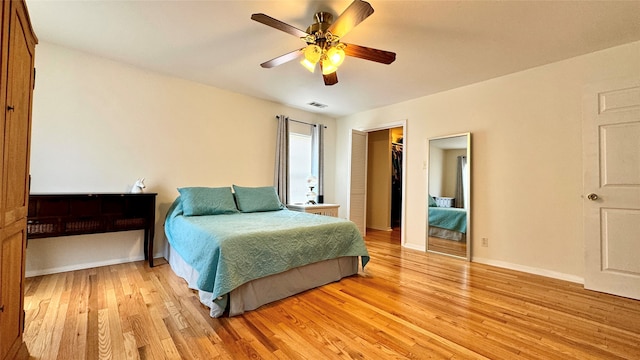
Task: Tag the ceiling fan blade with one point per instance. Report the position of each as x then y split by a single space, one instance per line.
283 58
352 16
363 52
331 79
277 24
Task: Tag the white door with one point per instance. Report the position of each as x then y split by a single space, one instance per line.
358 181
611 208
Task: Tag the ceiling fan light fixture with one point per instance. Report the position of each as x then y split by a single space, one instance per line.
328 67
312 53
322 39
335 55
308 65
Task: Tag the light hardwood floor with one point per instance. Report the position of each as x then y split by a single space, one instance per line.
407 304
456 248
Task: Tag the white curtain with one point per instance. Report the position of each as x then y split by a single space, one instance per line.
317 162
281 174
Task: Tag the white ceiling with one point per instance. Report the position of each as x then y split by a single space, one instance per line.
440 45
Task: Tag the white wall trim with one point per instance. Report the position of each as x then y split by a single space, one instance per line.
389 125
530 270
75 267
414 247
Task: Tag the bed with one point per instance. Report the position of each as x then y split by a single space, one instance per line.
448 223
244 249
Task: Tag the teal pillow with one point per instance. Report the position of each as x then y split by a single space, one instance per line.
255 199
207 201
432 201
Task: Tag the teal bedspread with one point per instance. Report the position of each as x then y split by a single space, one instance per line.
232 249
448 218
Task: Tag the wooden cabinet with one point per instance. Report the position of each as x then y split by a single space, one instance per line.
320 209
16 93
52 215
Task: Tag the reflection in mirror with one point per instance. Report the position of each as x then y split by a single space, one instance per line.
449 195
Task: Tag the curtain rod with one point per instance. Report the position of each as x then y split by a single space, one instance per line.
301 122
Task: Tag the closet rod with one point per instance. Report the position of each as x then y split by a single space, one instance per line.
302 122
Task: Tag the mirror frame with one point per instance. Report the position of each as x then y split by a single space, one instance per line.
469 165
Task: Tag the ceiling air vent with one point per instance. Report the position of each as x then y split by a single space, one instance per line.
317 104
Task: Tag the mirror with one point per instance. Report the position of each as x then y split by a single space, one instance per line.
449 195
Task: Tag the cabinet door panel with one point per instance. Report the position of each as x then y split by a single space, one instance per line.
17 121
11 287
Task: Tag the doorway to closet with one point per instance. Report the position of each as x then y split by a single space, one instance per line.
384 180
376 199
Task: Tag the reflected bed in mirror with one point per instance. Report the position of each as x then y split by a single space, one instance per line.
449 194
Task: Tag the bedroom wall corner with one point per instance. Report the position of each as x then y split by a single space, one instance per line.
99 124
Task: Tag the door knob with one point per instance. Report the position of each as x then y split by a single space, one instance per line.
592 196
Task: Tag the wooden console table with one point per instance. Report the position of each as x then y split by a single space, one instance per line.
52 215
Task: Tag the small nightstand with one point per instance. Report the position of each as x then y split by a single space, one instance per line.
320 209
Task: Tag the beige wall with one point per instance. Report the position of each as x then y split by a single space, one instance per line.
526 158
436 161
99 124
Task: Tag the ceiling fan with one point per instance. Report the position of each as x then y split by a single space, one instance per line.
323 41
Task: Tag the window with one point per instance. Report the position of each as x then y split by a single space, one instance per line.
300 159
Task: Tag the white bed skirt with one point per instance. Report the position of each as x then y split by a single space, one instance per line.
447 234
262 291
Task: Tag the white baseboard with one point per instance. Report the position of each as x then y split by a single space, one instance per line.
415 247
90 265
530 270
517 267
